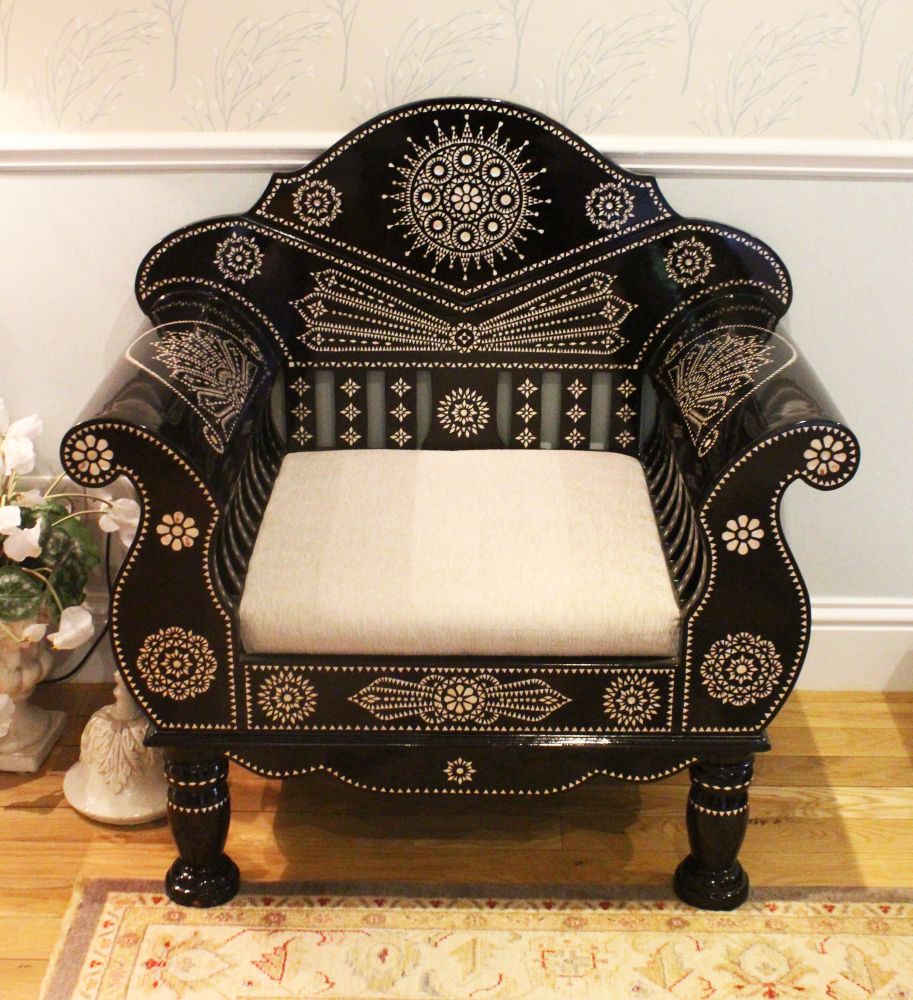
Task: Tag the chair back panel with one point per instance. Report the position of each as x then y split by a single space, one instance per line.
464 273
452 409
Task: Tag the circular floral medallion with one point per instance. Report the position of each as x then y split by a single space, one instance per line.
688 261
238 258
459 699
176 663
316 202
91 455
286 698
466 196
463 412
741 669
825 456
177 531
631 700
743 534
459 771
610 206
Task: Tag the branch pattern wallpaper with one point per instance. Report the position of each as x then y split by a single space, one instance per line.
832 69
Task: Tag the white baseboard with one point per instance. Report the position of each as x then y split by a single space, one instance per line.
858 644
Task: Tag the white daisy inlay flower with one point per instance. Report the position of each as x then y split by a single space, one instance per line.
743 534
825 455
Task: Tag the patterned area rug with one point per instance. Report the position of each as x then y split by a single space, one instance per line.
126 940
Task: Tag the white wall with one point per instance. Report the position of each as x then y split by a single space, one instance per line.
837 69
72 242
822 93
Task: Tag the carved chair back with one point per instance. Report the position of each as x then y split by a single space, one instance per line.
461 274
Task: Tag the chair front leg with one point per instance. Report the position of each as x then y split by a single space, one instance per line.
199 811
711 877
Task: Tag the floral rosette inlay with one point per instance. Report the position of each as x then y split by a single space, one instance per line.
176 663
825 456
466 196
631 701
91 455
177 531
688 261
287 699
316 202
741 669
743 534
610 206
238 258
460 699
463 412
459 771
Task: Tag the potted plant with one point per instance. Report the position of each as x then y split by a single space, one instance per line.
47 553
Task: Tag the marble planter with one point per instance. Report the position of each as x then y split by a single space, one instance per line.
30 732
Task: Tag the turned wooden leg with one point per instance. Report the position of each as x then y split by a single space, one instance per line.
711 877
199 811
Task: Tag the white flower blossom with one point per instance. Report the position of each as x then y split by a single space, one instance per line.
121 516
7 709
17 451
29 498
33 633
22 543
75 628
22 634
10 517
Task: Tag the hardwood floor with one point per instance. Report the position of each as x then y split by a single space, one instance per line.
831 805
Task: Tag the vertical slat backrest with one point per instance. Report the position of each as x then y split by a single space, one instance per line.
398 407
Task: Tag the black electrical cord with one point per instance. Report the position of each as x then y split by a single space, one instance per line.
104 631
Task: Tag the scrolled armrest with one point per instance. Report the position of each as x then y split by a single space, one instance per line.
740 416
734 381
197 383
185 417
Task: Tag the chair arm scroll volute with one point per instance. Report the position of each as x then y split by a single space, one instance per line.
172 621
742 424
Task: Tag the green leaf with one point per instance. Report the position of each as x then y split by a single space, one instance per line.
69 580
47 510
81 536
68 565
56 545
54 535
20 594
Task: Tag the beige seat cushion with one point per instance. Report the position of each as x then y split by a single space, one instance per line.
503 552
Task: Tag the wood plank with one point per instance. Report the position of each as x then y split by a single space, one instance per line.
32 939
867 741
831 805
771 833
20 978
35 828
279 841
852 712
842 697
783 771
27 897
807 802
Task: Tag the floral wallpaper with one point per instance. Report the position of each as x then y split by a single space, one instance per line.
836 69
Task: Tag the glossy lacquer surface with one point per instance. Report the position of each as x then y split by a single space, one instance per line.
447 276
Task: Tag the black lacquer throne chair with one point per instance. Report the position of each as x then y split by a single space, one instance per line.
460 458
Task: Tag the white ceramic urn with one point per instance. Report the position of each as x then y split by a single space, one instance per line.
117 779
